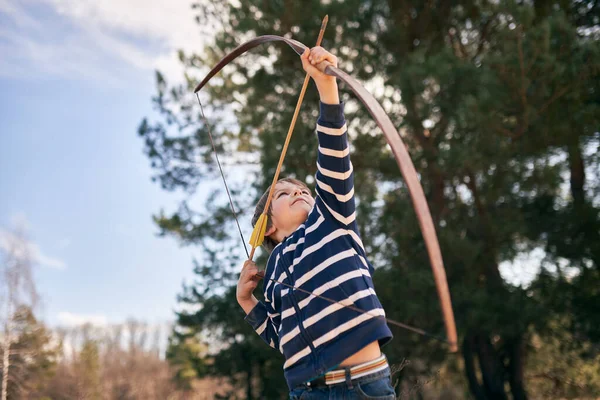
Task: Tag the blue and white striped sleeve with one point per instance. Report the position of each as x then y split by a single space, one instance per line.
265 321
264 318
335 177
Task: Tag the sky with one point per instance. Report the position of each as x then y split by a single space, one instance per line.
76 79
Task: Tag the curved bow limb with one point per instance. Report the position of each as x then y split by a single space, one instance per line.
417 195
403 160
244 47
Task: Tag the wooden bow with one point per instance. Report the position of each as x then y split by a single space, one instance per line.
402 157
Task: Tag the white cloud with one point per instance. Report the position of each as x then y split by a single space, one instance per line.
68 319
24 248
47 261
29 249
170 21
14 10
96 40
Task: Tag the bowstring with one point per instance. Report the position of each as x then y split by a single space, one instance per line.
222 174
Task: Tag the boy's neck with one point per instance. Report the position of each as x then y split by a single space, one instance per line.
279 235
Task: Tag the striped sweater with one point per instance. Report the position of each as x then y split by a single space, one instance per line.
325 256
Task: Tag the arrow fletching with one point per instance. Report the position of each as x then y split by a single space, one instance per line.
258 234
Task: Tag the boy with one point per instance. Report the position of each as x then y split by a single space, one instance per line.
330 350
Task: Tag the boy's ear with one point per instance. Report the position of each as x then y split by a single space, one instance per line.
270 231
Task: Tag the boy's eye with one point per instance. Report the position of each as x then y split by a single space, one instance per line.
281 194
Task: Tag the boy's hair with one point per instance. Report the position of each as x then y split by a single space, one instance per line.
269 243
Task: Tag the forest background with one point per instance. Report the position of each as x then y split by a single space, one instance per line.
498 103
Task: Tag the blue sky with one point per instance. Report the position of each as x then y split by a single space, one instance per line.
75 81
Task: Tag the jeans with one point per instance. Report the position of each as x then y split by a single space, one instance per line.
376 386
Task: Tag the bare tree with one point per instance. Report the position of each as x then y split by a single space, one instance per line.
120 361
17 288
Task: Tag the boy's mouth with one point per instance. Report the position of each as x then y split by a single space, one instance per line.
299 199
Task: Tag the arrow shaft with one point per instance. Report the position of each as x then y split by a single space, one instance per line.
289 133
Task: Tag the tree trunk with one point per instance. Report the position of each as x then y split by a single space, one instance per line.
492 370
6 343
577 170
474 385
516 354
249 394
261 379
5 358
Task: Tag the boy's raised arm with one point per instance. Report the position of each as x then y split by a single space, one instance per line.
335 178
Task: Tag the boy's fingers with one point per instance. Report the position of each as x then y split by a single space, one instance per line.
249 269
309 67
319 54
250 272
306 57
311 60
258 276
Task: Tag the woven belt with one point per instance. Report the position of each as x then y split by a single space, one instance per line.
357 371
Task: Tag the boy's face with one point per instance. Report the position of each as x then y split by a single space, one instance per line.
290 206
